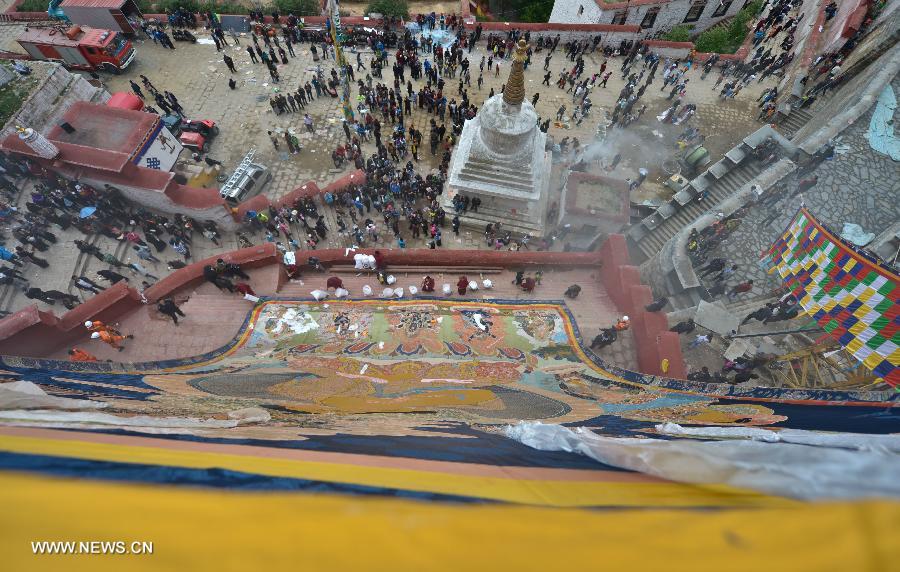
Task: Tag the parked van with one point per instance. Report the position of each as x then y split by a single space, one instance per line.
247 181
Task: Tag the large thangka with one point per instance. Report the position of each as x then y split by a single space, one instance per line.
403 363
394 399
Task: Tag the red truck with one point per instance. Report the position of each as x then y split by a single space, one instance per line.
79 48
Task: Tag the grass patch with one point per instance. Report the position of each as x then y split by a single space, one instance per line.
728 39
13 94
33 6
680 33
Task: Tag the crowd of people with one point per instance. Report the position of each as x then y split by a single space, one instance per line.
405 203
121 237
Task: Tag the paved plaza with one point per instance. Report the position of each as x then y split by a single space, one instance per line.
196 74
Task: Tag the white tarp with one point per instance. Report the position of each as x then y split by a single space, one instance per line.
841 440
85 419
785 469
27 395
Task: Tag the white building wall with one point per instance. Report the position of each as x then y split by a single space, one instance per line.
566 12
671 14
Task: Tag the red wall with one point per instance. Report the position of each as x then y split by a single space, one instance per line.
32 333
27 334
652 338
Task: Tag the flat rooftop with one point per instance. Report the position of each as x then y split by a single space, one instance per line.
108 128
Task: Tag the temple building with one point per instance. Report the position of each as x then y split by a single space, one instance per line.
502 159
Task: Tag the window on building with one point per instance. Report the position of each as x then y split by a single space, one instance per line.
619 18
695 11
724 5
650 17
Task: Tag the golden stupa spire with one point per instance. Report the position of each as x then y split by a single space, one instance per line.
514 94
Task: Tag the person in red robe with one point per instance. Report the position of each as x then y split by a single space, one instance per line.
428 284
379 260
334 282
293 271
461 285
528 284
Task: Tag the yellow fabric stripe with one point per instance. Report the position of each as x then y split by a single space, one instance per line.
197 529
536 492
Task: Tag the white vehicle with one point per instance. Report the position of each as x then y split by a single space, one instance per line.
247 181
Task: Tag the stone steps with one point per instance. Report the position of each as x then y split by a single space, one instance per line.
491 178
515 171
478 220
795 122
652 241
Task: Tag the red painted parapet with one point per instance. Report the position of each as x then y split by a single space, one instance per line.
357 177
31 332
309 189
34 332
669 348
191 275
622 282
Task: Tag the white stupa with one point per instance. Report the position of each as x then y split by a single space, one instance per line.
501 159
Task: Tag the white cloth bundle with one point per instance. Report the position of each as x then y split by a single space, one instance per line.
473 285
341 293
398 292
487 284
367 290
319 295
446 289
388 292
390 279
413 290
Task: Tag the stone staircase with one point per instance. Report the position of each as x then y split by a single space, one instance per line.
650 242
797 119
488 172
478 220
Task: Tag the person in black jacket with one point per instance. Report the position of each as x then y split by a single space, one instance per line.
169 308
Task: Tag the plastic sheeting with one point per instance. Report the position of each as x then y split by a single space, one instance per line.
445 38
841 440
27 395
785 469
84 419
855 234
881 134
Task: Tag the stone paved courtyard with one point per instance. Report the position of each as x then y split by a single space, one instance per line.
197 75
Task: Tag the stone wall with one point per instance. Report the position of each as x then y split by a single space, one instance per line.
851 100
52 98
